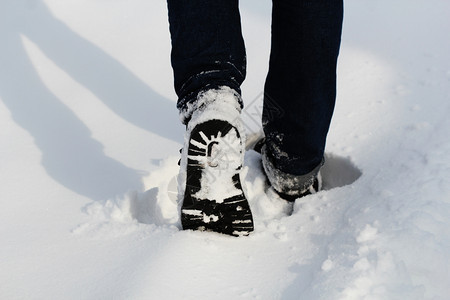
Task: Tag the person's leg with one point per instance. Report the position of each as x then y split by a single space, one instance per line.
300 90
208 59
207 49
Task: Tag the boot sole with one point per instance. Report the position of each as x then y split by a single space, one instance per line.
230 216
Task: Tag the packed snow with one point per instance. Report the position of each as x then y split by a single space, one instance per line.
89 144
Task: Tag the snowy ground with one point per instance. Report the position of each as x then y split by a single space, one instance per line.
89 139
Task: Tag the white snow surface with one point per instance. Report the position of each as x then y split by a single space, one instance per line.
89 140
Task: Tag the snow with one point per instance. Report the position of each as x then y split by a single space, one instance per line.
89 144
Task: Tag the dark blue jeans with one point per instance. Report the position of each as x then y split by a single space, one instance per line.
208 52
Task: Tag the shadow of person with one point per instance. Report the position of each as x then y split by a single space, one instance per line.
69 154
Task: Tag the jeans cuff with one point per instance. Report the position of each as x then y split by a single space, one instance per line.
285 183
220 96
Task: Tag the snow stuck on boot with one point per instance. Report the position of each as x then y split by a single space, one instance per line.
210 185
